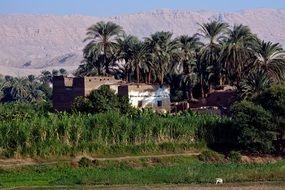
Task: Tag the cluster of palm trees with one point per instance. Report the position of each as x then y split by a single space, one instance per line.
217 55
28 89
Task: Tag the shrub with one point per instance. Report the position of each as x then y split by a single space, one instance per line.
234 156
256 130
85 162
102 100
220 134
82 104
273 99
211 157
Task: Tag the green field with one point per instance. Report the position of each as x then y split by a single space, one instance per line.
144 171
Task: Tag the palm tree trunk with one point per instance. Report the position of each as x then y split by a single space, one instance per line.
149 77
221 81
161 78
202 87
138 73
127 76
190 94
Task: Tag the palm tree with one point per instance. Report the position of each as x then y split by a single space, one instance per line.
46 77
86 69
63 72
253 84
124 56
237 51
213 34
187 48
161 48
133 52
189 80
203 71
270 57
16 89
102 38
139 52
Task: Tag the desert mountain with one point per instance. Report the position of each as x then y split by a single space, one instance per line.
31 43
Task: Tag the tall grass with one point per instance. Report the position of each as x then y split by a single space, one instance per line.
38 133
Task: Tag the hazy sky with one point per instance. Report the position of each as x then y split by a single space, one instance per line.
119 7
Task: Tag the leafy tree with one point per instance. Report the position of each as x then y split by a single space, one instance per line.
102 100
273 100
256 128
82 104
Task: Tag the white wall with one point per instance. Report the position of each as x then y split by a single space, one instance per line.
148 97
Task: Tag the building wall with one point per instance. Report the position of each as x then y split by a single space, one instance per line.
93 83
148 96
216 98
66 89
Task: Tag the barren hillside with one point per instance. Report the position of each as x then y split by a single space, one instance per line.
31 43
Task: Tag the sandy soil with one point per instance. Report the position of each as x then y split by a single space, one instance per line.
10 163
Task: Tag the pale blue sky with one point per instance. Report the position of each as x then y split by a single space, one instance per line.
120 7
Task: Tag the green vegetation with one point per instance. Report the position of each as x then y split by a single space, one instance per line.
28 89
102 100
218 54
27 130
256 130
103 124
32 132
173 170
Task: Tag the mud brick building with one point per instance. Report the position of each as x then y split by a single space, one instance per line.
147 96
66 89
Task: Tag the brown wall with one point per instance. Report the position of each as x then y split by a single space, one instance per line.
216 98
66 89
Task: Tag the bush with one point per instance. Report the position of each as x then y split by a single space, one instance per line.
211 157
102 100
82 104
219 135
234 156
85 162
256 130
273 99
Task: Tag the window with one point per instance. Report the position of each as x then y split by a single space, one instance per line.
140 104
159 103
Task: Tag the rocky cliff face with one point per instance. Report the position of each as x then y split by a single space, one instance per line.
31 43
